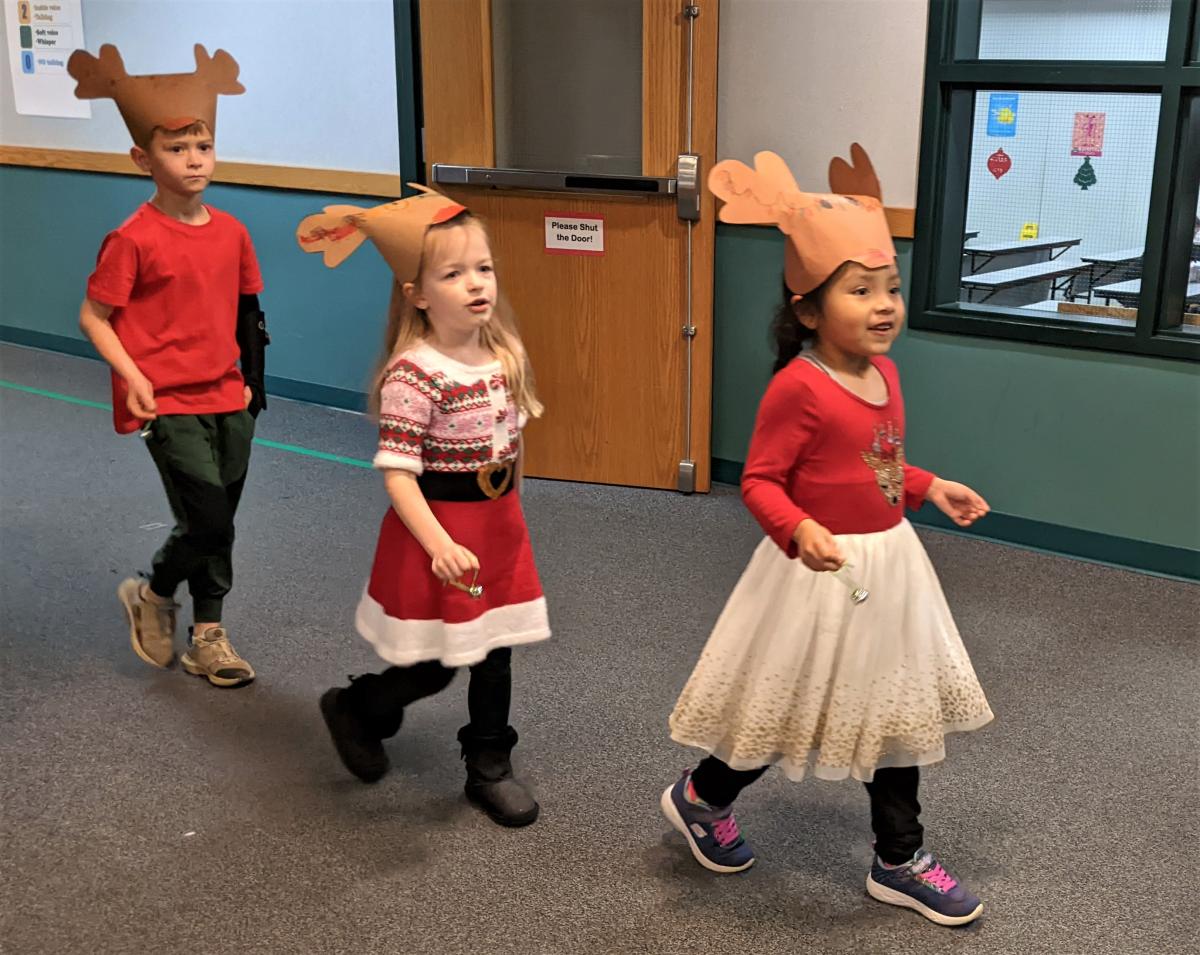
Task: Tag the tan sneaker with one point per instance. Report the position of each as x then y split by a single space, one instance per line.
211 655
151 623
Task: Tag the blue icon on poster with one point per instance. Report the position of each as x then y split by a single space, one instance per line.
1002 114
26 61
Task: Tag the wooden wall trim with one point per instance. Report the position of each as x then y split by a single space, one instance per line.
456 83
900 221
664 72
299 178
704 249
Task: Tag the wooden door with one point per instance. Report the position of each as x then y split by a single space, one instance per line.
608 334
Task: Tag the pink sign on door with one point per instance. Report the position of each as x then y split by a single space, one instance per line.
1088 137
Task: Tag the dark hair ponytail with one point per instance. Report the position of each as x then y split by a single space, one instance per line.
788 333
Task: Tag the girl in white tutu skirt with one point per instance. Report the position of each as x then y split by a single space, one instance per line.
836 653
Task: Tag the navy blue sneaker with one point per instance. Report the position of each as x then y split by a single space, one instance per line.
711 833
923 884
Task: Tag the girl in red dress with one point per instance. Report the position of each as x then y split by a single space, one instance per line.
861 676
454 582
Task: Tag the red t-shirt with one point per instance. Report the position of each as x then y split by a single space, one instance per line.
820 451
174 291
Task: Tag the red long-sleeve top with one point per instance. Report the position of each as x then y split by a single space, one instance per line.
821 451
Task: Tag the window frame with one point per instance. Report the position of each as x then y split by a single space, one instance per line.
951 84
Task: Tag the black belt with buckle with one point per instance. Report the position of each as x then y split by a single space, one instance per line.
487 484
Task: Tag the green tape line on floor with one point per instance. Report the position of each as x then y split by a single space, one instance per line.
273 445
55 395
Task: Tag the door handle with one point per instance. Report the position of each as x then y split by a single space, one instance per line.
687 187
546 181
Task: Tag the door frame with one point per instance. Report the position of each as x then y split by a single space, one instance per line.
457 91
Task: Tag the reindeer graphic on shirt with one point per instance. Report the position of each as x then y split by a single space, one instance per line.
886 459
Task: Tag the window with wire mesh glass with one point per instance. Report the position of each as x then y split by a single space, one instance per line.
1060 159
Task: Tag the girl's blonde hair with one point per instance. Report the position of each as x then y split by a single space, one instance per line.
407 325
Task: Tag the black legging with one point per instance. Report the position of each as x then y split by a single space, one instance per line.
379 699
895 811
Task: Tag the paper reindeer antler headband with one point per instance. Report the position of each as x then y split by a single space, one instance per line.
165 100
397 229
824 230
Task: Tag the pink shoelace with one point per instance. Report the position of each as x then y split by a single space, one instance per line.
938 877
726 831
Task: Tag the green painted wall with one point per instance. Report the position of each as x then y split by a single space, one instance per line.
1091 440
1098 442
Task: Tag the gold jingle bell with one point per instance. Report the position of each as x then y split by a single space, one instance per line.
473 590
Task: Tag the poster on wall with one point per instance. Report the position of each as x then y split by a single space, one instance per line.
41 35
999 163
1002 114
1087 139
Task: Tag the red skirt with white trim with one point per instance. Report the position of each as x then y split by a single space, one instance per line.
409 615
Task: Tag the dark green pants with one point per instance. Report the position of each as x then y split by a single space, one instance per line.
202 460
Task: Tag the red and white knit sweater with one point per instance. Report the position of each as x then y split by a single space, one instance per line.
438 414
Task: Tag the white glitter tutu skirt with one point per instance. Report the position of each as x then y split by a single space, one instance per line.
795 674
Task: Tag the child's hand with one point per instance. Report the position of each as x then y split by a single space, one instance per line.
453 562
818 549
246 396
140 400
957 501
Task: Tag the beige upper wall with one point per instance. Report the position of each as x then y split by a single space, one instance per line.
806 78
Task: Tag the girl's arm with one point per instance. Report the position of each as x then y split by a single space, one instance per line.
519 476
960 503
94 323
917 482
450 560
783 429
957 501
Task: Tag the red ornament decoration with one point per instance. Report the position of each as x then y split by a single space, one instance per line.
999 163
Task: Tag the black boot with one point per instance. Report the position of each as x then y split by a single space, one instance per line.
368 711
490 782
361 749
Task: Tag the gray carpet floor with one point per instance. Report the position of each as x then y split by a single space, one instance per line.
145 811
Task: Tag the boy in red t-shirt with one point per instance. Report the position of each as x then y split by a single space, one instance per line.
172 307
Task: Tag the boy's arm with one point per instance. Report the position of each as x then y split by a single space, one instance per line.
94 322
252 339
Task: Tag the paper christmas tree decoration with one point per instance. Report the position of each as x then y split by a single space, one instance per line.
1086 176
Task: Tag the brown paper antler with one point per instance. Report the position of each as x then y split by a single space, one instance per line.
763 194
333 231
824 230
165 100
397 229
220 71
854 178
96 77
